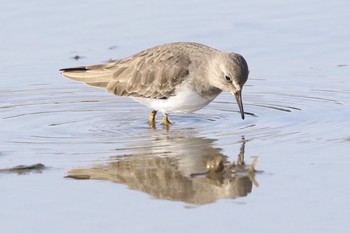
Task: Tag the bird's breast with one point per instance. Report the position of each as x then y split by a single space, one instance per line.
186 100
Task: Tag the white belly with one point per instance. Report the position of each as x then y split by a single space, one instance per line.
185 101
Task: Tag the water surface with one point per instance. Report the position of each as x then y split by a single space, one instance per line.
296 99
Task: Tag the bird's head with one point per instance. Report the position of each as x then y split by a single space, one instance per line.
231 74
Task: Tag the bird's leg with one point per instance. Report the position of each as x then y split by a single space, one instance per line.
151 118
166 121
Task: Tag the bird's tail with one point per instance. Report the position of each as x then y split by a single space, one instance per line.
96 75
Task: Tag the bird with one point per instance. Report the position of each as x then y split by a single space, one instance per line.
179 77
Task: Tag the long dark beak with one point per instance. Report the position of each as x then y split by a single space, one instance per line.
238 95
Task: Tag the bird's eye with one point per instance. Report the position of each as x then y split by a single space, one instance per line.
227 78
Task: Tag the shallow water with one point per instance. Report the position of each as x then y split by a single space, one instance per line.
297 101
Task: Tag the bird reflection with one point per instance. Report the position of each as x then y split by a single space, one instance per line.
178 167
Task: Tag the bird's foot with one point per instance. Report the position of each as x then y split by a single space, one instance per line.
151 119
166 123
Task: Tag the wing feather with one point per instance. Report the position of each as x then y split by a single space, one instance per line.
152 73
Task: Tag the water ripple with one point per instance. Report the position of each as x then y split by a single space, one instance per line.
74 115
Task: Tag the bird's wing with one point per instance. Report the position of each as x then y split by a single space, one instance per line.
152 73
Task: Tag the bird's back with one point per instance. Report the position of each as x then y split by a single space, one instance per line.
152 73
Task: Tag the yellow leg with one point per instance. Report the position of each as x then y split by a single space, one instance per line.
151 118
166 121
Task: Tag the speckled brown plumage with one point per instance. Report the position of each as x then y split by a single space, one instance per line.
152 73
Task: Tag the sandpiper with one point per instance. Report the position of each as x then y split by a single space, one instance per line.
178 77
